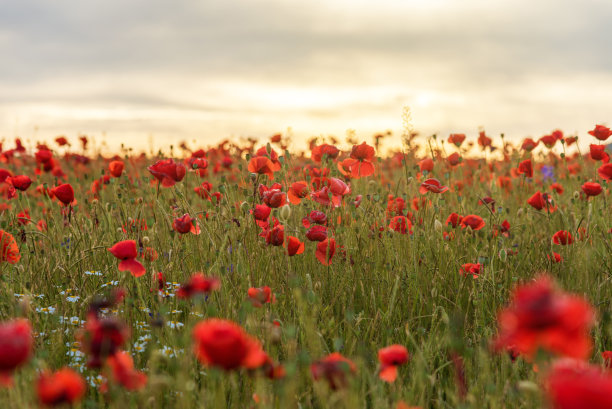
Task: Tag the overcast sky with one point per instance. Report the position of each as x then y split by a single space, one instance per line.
207 70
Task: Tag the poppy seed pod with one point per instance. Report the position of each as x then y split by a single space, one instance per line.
576 195
146 240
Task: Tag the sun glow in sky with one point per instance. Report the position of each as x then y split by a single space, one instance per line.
209 70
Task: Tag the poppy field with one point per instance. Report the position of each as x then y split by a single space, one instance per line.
451 272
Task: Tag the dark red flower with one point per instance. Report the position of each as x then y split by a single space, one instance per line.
260 296
64 386
591 188
15 347
261 212
432 185
168 172
101 338
294 246
541 316
198 284
529 144
598 152
21 182
473 221
562 237
186 224
401 224
541 201
454 220
334 368
274 198
127 252
456 138
319 151
64 193
122 366
525 168
325 251
226 345
605 171
471 268
390 358
317 233
275 236
572 384
601 132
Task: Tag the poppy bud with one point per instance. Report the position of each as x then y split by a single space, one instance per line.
244 207
130 220
119 230
409 180
94 202
519 212
503 255
438 225
528 386
253 177
576 195
285 213
146 240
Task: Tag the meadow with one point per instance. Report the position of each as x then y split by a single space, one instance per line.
248 276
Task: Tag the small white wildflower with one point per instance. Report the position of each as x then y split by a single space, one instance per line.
73 299
46 310
93 273
175 324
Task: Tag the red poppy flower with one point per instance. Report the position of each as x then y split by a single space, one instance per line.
122 366
186 224
432 185
456 138
15 347
260 296
21 182
101 338
426 165
9 248
64 193
198 284
556 257
272 155
116 168
454 220
226 345
473 221
275 236
390 358
325 251
23 217
557 187
541 201
601 132
167 172
541 316
317 217
562 237
454 159
605 171
334 368
598 152
274 198
126 252
262 166
294 246
297 192
484 140
317 233
360 163
572 384
471 268
591 188
261 212
65 386
319 151
529 144
607 358
401 224
525 168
